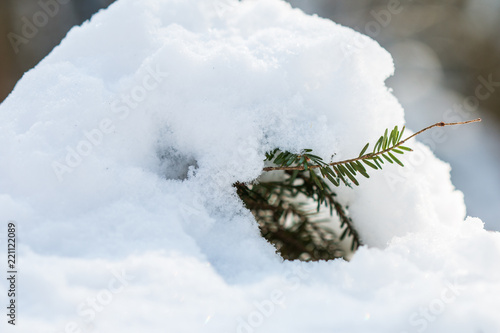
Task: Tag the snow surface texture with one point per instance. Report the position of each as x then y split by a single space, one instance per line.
119 149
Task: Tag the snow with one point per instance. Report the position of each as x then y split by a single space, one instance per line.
118 155
418 86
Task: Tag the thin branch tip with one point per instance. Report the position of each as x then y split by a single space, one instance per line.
461 122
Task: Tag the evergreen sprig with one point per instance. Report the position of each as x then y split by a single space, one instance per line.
384 150
283 217
288 223
341 172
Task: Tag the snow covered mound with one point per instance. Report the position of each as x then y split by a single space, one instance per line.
119 151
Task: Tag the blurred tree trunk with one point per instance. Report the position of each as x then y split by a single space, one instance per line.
9 69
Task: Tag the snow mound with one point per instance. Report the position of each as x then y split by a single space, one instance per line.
118 170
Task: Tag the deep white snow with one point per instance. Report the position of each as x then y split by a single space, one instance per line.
117 156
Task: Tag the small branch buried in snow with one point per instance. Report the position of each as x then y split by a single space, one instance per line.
369 156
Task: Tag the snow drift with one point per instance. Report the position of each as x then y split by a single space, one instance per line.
118 155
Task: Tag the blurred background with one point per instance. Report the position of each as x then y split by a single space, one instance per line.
446 54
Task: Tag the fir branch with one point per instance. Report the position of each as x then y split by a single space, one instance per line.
362 157
346 223
324 195
282 217
273 203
